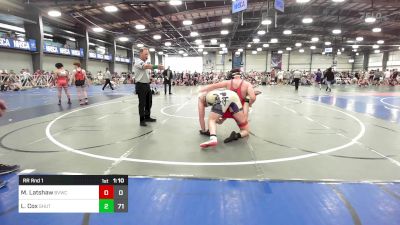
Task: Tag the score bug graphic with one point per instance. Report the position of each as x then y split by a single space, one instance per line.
73 193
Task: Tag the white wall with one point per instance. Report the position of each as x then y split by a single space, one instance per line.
180 63
300 61
122 52
359 62
321 61
257 62
343 63
269 61
49 62
285 60
375 61
96 66
15 61
121 67
228 64
394 60
222 63
209 62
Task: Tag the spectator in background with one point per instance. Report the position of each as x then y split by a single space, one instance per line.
107 76
61 77
387 74
13 36
377 77
393 78
318 78
79 76
296 79
329 76
273 75
264 80
281 73
167 74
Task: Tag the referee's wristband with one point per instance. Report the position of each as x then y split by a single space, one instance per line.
155 67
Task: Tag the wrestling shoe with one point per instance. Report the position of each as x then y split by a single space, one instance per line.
206 133
210 143
233 137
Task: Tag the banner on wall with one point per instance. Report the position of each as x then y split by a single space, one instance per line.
237 61
280 5
75 52
63 51
94 55
29 45
239 5
276 60
99 56
122 59
209 61
328 50
107 57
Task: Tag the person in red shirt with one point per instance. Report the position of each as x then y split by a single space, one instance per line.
79 76
61 76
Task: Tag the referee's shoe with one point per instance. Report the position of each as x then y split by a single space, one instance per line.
149 119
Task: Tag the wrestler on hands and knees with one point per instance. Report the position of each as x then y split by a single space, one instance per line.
233 102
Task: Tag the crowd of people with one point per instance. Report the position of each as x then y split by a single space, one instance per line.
15 81
281 77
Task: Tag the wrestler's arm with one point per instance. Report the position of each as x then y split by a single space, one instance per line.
251 94
211 87
201 108
2 107
250 99
72 77
246 110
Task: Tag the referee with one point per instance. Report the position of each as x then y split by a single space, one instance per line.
142 77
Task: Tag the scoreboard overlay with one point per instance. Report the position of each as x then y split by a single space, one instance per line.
73 194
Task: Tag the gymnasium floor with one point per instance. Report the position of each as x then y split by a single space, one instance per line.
312 157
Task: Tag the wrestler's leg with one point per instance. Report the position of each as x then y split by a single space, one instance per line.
244 127
212 126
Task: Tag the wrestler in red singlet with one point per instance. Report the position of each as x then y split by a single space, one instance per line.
229 114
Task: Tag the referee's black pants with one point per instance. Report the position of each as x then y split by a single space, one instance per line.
296 83
145 100
108 81
165 87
